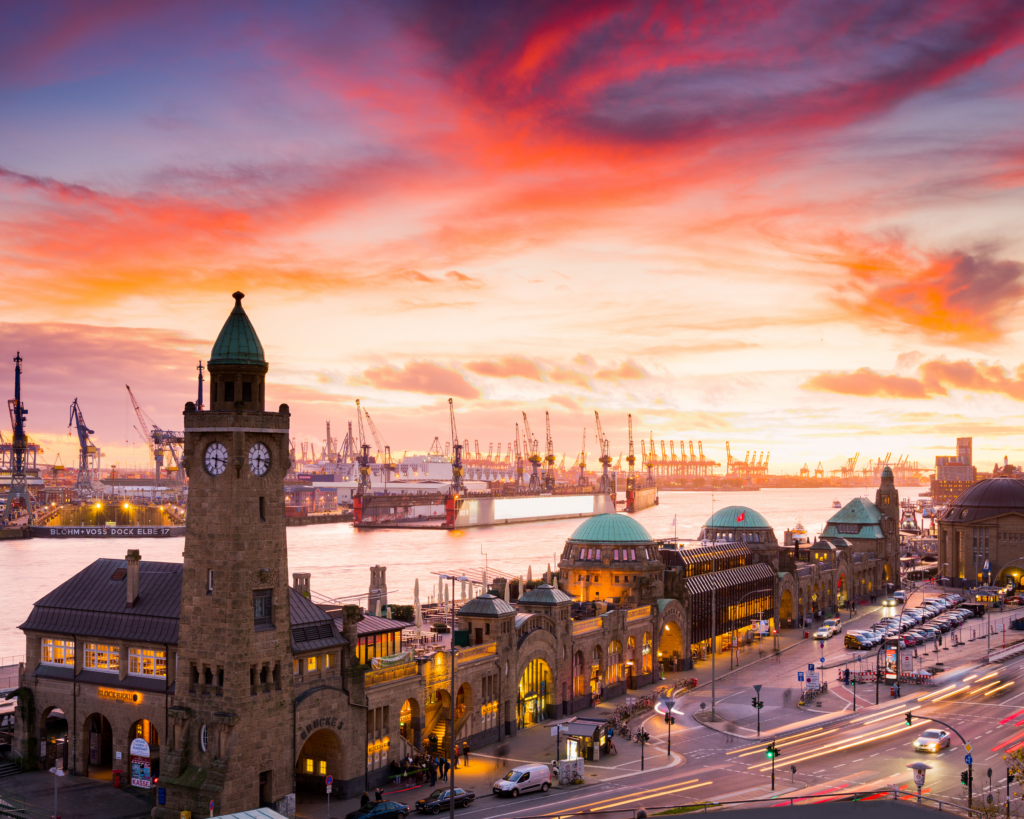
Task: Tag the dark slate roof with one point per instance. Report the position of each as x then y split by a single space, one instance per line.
986 499
545 595
702 553
312 627
92 604
371 624
486 605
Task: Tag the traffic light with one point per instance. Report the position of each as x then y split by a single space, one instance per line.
1010 776
669 719
965 777
753 701
907 717
772 752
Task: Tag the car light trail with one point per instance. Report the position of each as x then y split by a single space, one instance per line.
832 746
788 743
603 803
634 797
1012 739
1000 688
1009 719
928 696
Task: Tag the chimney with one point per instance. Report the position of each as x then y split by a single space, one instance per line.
350 617
133 576
300 582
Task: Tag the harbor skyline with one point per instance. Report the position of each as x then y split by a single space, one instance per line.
808 248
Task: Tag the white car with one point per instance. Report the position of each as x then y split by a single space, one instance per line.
933 740
823 633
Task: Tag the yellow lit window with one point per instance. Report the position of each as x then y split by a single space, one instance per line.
147 662
327 660
309 766
311 664
297 666
323 767
58 652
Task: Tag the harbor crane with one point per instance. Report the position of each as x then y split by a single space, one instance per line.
549 455
16 456
519 463
89 455
159 441
533 456
606 484
631 458
457 486
582 480
363 487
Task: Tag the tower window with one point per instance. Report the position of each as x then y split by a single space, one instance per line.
261 607
209 581
247 391
229 391
263 510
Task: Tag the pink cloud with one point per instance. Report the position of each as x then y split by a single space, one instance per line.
422 377
507 367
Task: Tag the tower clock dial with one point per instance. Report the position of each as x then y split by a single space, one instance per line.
259 459
216 458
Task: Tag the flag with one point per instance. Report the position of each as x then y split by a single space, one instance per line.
674 517
741 517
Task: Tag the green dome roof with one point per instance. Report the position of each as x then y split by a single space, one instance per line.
237 342
887 473
611 528
737 517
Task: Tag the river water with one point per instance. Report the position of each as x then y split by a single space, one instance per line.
338 556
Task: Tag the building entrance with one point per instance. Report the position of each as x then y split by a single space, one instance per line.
535 689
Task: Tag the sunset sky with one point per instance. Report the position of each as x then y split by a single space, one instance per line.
795 226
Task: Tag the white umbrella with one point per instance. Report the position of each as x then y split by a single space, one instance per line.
445 594
416 591
522 588
547 575
418 614
440 590
529 574
508 593
463 589
376 607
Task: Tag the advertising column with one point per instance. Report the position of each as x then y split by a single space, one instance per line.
141 777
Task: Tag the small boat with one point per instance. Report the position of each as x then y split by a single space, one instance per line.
799 529
836 504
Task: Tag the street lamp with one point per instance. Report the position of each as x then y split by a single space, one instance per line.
451 702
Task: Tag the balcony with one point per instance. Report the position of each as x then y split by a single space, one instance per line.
385 675
469 655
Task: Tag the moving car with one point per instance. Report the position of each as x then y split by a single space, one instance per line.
835 624
380 810
932 741
522 779
441 799
823 633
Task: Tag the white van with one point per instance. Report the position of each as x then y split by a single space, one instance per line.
901 596
522 779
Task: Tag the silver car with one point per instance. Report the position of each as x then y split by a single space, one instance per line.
932 741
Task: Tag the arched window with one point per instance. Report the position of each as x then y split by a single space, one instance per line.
647 651
578 682
614 662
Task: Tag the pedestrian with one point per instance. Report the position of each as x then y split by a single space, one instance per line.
455 756
465 754
378 795
611 744
445 766
432 770
364 800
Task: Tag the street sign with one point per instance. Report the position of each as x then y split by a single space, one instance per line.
968 747
968 759
329 780
329 788
757 688
799 676
823 659
810 666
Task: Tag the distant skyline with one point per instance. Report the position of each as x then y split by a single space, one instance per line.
791 225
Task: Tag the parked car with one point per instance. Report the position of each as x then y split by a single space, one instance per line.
522 779
441 799
380 810
856 641
932 740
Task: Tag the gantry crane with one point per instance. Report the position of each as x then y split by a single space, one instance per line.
363 459
549 455
582 481
519 463
533 455
457 486
630 458
89 455
159 440
605 459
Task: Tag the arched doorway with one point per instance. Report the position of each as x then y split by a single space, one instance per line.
670 651
632 662
319 757
55 735
437 722
410 721
464 710
841 595
614 662
535 689
579 681
786 607
144 729
596 671
100 758
647 653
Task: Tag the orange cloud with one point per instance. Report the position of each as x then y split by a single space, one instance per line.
867 382
626 371
958 296
422 377
564 375
507 367
936 377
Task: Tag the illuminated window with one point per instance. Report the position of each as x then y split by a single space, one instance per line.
58 652
298 666
632 554
323 767
327 660
311 664
101 657
309 766
616 554
147 662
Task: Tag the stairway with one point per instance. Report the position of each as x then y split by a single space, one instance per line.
440 730
9 769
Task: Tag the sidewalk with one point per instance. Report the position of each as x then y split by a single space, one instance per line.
535 744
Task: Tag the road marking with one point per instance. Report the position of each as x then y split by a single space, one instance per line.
859 760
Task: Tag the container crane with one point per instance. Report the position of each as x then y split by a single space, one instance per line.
582 480
363 488
19 449
533 456
647 460
549 454
159 441
605 459
630 458
519 463
457 486
89 455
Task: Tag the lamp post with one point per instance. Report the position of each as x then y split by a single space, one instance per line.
451 702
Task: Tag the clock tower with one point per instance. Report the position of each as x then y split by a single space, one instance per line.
233 681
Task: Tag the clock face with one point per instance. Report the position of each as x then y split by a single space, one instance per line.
216 458
259 459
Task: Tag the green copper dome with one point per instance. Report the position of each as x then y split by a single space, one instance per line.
611 528
237 342
737 517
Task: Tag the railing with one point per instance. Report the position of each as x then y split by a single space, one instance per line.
638 613
469 655
390 674
587 626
